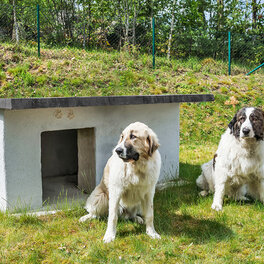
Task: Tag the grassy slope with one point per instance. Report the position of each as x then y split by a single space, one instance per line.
68 72
191 231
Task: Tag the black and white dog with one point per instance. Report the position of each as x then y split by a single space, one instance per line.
237 168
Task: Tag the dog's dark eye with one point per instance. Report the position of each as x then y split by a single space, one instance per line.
242 119
132 136
254 118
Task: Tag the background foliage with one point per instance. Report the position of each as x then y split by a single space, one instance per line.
183 28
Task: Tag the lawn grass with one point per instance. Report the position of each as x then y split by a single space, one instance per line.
190 231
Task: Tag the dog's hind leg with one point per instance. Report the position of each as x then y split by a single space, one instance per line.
203 193
133 214
97 203
253 190
138 219
86 217
240 193
201 182
205 181
261 191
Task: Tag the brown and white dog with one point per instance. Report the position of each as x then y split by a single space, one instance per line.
237 168
128 184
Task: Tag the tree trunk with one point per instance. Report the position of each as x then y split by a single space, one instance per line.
84 14
254 13
151 13
120 24
84 35
15 28
134 25
126 11
171 29
89 24
220 9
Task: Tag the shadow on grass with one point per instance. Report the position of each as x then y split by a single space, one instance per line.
199 231
189 172
172 216
187 194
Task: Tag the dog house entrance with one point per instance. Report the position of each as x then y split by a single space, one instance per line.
67 164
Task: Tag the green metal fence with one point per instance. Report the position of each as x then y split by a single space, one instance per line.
40 27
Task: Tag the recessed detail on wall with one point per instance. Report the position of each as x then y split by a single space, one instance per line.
70 114
58 113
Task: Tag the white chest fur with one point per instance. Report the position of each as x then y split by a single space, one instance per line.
240 159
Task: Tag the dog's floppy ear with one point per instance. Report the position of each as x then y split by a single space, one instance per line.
263 125
258 127
232 123
153 142
262 112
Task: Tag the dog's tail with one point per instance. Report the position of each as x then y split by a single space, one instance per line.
97 202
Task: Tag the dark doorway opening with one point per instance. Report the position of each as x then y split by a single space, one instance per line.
67 164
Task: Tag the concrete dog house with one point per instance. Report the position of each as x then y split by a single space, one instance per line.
46 143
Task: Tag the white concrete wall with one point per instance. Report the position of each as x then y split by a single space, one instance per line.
3 197
23 141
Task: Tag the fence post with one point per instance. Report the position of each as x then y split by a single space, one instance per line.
261 65
229 53
38 30
153 42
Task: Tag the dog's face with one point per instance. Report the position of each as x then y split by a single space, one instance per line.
137 141
248 123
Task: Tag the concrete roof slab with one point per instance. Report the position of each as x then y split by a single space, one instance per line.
53 102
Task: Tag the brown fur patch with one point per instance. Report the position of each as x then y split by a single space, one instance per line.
214 160
257 121
138 144
237 121
141 139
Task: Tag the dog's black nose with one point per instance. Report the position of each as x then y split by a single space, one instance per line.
246 130
119 151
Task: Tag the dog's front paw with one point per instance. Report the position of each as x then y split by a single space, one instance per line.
108 237
217 207
153 234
